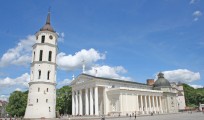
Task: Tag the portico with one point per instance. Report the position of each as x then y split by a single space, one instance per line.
133 100
96 96
85 98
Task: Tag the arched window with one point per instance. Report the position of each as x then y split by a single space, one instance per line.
47 89
37 100
48 75
49 109
41 55
39 74
34 56
38 89
46 100
43 39
50 56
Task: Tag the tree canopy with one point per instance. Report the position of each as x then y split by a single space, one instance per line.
64 100
193 96
17 103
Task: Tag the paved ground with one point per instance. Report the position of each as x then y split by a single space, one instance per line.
178 116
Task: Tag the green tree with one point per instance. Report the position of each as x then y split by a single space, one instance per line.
17 103
193 96
64 100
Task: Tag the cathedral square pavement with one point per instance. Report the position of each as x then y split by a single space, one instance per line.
178 116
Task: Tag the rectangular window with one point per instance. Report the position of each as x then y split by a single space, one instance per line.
46 100
50 56
39 74
48 75
38 89
43 39
41 55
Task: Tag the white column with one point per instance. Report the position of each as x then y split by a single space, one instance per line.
80 102
121 102
153 103
149 104
145 99
106 102
157 108
137 105
87 101
91 101
141 103
160 104
76 98
96 100
73 103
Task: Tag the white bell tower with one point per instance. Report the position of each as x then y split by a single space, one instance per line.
42 86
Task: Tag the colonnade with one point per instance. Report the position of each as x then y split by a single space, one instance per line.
85 102
148 104
91 101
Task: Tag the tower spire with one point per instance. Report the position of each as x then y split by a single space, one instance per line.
48 18
47 26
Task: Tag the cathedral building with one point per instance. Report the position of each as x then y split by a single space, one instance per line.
42 86
92 95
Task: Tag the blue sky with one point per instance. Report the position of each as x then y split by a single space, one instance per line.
132 39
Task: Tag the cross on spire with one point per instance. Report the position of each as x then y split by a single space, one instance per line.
83 66
48 17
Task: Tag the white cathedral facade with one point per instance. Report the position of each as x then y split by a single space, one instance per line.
92 95
42 86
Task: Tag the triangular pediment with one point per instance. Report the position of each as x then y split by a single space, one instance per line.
82 78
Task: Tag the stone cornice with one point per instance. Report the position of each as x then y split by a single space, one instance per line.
99 81
42 44
134 91
85 85
41 82
42 62
47 32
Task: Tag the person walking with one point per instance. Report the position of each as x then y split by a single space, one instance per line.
135 116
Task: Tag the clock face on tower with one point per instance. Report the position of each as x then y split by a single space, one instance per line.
51 37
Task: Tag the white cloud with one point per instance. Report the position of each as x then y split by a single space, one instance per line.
196 15
4 97
73 62
182 75
63 83
19 55
61 37
22 81
192 1
196 86
108 72
18 89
